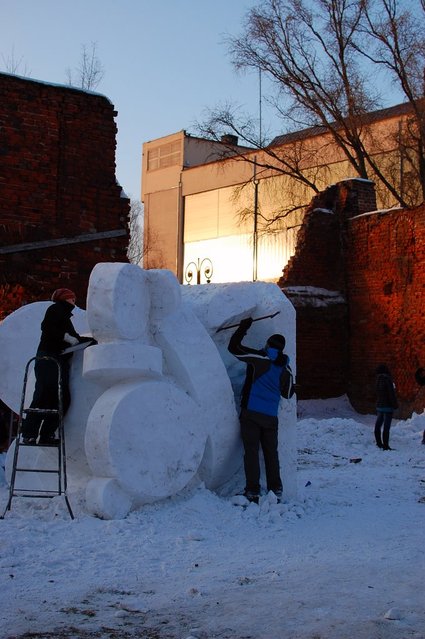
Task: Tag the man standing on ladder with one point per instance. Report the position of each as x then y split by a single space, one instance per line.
57 333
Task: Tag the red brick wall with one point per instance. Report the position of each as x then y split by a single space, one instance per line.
57 180
386 283
376 262
322 349
321 308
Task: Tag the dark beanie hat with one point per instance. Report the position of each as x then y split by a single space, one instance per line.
277 341
62 294
382 369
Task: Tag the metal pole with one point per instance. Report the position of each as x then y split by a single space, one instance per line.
260 105
256 319
254 243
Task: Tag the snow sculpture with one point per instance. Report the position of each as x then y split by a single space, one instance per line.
153 406
127 440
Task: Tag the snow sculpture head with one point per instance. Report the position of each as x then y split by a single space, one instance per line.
153 408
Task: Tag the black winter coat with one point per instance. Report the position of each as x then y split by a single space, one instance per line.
385 392
56 323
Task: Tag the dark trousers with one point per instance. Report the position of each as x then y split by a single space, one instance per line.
383 419
46 396
256 430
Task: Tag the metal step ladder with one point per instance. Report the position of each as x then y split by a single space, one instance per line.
20 471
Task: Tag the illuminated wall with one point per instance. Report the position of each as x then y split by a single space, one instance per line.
219 225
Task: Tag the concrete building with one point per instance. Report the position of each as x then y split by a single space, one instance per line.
227 213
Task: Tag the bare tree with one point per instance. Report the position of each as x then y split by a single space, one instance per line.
312 54
225 119
153 256
288 167
14 65
397 43
143 248
135 250
89 72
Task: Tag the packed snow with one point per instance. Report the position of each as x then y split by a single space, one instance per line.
345 560
167 550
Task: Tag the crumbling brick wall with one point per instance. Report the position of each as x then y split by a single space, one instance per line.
357 281
61 209
315 281
386 283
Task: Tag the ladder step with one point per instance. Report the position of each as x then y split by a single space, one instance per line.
36 470
53 444
52 411
47 493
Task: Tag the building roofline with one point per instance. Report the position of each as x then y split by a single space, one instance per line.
197 138
320 129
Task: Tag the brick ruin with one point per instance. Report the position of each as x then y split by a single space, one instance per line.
61 209
386 284
357 282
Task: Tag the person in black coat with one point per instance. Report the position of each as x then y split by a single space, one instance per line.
386 404
420 379
57 333
259 408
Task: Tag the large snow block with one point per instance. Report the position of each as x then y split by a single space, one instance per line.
117 305
118 362
149 437
191 358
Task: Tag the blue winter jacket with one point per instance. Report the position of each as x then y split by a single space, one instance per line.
262 388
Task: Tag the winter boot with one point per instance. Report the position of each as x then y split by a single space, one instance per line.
250 496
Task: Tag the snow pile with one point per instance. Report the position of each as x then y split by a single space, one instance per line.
345 559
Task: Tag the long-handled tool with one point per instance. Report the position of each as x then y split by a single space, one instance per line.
257 319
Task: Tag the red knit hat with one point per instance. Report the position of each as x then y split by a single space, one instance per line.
62 294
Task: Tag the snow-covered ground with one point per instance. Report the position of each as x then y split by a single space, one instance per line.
346 561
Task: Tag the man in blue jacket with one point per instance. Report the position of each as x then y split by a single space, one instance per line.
259 408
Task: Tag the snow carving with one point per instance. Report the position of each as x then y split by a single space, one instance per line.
155 403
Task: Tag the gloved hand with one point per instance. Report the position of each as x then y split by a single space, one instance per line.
245 324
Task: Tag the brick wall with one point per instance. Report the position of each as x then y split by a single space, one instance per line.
58 192
322 350
357 281
315 280
386 283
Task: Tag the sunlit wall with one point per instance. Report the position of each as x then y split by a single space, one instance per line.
219 233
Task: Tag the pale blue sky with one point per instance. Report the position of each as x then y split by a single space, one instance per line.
164 60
